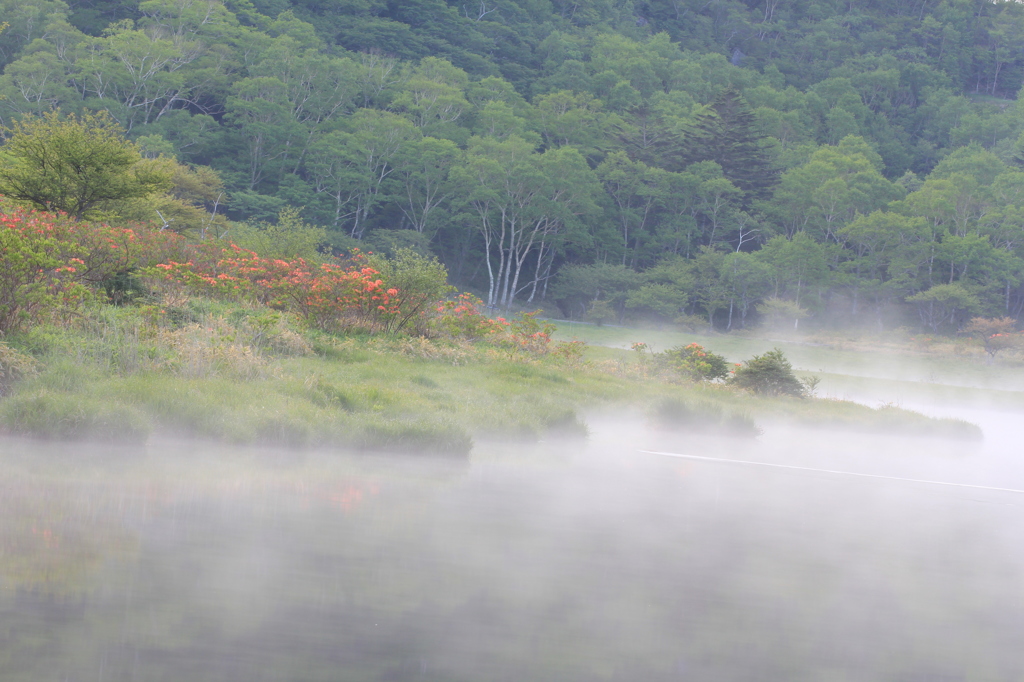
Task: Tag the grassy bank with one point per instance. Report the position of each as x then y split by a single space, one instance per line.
896 356
227 372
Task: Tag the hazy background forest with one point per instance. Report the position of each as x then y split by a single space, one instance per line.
724 161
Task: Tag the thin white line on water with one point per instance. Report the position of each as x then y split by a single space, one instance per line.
828 471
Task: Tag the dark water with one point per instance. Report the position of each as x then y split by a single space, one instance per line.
562 561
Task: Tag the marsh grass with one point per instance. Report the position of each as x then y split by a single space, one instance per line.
254 376
65 416
891 356
702 417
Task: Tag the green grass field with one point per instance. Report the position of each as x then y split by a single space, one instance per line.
212 376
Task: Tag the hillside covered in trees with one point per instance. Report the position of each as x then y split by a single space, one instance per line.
856 163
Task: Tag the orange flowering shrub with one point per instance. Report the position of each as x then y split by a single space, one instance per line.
47 260
997 334
524 334
697 362
326 295
460 318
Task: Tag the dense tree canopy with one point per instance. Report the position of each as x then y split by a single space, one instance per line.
860 161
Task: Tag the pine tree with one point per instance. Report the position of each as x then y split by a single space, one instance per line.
725 134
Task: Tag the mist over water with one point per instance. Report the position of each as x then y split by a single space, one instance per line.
556 561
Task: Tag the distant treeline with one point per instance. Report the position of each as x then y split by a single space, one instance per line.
854 162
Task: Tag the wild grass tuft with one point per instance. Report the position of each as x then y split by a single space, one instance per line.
702 417
73 417
420 435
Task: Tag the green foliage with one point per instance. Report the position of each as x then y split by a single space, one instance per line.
76 166
725 133
696 362
289 237
601 312
14 365
778 313
945 305
844 159
421 282
72 417
769 374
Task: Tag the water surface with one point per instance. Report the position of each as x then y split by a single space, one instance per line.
553 561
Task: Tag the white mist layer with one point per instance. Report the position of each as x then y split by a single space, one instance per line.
562 560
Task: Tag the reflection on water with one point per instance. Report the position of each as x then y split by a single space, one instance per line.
550 562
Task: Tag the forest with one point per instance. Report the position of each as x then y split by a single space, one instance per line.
719 163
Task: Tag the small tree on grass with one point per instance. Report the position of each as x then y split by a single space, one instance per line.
998 334
769 374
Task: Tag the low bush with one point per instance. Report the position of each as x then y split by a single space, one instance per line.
696 362
459 318
566 423
51 265
419 283
997 334
769 374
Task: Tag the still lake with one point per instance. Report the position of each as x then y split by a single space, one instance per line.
553 561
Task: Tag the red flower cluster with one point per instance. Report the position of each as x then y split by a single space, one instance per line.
46 261
326 295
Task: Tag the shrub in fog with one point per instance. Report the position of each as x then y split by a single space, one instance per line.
697 362
769 374
997 334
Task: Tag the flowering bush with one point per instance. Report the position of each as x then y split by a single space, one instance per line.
326 295
570 352
460 318
419 283
523 334
697 362
47 260
997 334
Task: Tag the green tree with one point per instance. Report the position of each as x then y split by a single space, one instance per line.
355 169
76 165
636 190
795 264
577 287
422 170
725 133
945 305
769 374
522 200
